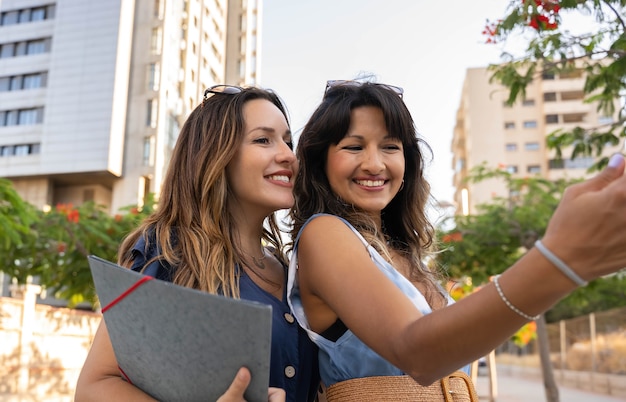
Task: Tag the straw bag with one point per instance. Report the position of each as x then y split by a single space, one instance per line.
457 387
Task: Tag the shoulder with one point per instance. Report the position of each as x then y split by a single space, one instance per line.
325 223
329 232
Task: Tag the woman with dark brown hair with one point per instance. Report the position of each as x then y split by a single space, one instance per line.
358 282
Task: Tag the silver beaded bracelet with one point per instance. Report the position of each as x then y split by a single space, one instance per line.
567 271
510 305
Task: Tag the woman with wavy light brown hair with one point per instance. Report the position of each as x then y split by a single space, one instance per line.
215 230
357 281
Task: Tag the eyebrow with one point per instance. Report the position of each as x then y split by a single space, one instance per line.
268 130
358 136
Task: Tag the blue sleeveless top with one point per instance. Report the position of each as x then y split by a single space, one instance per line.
293 362
348 357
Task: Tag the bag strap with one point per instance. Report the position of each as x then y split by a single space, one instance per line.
448 394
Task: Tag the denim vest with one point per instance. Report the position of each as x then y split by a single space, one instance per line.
348 357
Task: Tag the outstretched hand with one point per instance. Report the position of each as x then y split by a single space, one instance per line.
588 229
235 392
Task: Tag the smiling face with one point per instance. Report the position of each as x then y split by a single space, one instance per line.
366 167
261 173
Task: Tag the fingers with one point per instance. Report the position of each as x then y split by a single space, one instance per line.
613 171
235 392
276 395
586 230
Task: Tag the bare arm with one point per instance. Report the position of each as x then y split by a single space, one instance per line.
586 232
100 378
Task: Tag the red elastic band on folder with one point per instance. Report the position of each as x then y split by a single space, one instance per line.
124 375
127 292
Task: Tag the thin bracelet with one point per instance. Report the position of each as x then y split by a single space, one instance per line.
510 305
567 271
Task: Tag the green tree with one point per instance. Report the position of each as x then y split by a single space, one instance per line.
479 246
487 243
555 50
16 216
53 246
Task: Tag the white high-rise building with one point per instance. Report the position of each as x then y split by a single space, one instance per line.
93 93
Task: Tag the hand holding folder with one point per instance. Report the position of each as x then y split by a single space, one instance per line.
181 344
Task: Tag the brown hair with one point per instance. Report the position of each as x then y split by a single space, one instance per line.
193 225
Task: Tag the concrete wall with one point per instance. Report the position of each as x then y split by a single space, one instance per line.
42 348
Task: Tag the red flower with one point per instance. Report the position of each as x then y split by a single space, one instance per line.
452 237
73 216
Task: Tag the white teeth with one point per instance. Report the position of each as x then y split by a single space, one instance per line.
370 183
280 178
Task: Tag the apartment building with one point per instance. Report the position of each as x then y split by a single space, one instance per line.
514 137
93 93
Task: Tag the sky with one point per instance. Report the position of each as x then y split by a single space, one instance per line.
422 46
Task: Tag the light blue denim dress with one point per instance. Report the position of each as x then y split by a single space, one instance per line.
348 357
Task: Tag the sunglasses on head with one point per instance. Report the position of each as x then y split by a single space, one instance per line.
336 83
222 89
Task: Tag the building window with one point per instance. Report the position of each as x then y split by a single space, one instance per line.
601 119
511 169
27 15
577 73
148 151
155 41
573 118
533 169
509 125
151 118
552 118
528 102
549 97
25 48
36 46
531 146
21 117
19 82
7 150
10 17
158 9
26 117
19 150
577 163
154 76
15 83
511 146
572 95
38 14
530 124
7 50
11 118
24 16
547 75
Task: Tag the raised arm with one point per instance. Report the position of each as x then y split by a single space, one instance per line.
338 279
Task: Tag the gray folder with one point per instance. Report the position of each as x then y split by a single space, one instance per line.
181 344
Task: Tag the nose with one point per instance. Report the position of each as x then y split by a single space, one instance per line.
285 154
372 161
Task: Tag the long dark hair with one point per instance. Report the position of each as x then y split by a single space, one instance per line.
405 226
